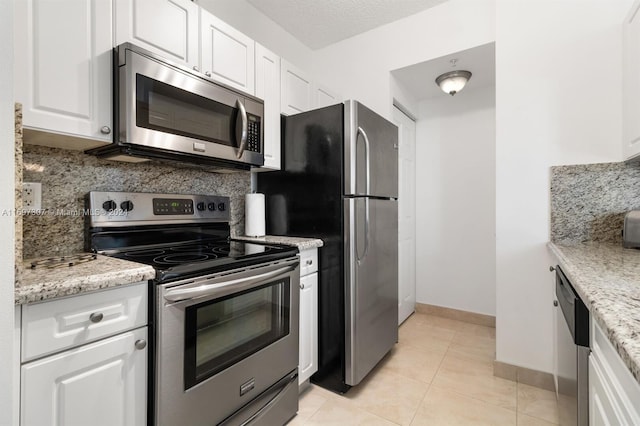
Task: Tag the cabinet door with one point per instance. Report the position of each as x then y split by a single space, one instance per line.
325 96
268 89
63 66
631 83
166 27
103 383
308 361
296 89
227 55
603 410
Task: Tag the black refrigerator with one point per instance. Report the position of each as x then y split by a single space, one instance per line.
339 183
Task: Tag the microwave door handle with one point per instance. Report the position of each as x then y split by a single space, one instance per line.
243 129
240 284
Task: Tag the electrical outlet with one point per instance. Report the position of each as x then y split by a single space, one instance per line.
31 196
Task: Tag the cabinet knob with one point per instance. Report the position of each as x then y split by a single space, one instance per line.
555 303
105 130
195 68
301 286
96 317
551 269
140 344
207 73
309 262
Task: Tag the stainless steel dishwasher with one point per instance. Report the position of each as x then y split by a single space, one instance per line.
572 354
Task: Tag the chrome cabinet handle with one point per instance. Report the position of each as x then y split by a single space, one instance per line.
301 286
243 129
105 130
96 317
207 73
140 344
555 303
309 262
551 269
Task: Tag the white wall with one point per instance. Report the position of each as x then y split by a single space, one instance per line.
455 201
7 198
243 16
359 66
558 101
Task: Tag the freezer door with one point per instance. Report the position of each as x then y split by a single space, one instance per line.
371 153
371 283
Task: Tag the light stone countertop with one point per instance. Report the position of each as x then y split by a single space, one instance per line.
301 243
607 278
42 283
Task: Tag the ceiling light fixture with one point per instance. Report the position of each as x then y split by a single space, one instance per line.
453 81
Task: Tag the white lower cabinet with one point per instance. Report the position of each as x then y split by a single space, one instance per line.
614 394
102 383
98 379
308 354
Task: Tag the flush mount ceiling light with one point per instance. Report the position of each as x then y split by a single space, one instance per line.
453 81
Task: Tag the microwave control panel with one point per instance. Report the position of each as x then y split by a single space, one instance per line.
253 133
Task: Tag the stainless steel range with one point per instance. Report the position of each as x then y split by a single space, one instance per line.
225 313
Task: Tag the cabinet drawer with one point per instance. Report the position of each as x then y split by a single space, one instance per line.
64 323
308 262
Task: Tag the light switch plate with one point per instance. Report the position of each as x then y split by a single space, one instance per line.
31 196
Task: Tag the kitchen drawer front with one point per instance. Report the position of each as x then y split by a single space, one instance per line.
50 327
308 261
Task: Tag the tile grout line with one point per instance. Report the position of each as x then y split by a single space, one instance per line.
420 403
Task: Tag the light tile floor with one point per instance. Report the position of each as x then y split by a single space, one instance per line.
439 373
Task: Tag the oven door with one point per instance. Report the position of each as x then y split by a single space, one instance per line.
225 340
167 107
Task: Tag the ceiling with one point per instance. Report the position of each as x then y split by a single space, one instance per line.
419 79
319 23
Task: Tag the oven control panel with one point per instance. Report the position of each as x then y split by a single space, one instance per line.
123 208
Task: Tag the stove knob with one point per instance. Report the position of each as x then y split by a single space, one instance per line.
221 207
211 206
126 206
200 206
109 205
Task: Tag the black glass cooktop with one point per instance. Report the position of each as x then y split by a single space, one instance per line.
180 251
203 257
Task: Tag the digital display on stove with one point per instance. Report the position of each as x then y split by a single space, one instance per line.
172 206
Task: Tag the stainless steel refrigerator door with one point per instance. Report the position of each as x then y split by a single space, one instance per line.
371 153
371 283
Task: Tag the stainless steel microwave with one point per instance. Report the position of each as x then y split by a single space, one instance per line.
166 111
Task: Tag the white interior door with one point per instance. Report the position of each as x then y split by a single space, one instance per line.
406 214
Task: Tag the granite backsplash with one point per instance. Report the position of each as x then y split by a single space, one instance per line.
588 202
66 177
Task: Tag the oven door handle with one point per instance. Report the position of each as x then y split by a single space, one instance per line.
240 284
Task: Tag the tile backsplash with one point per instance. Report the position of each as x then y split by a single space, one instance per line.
588 202
66 177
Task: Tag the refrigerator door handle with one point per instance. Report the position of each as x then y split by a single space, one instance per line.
360 258
366 228
367 182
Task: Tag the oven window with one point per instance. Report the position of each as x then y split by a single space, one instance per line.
221 332
168 109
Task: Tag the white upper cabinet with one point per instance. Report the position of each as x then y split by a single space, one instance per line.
226 54
166 27
325 96
296 91
631 83
268 89
63 65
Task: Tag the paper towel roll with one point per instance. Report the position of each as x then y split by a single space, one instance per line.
254 224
